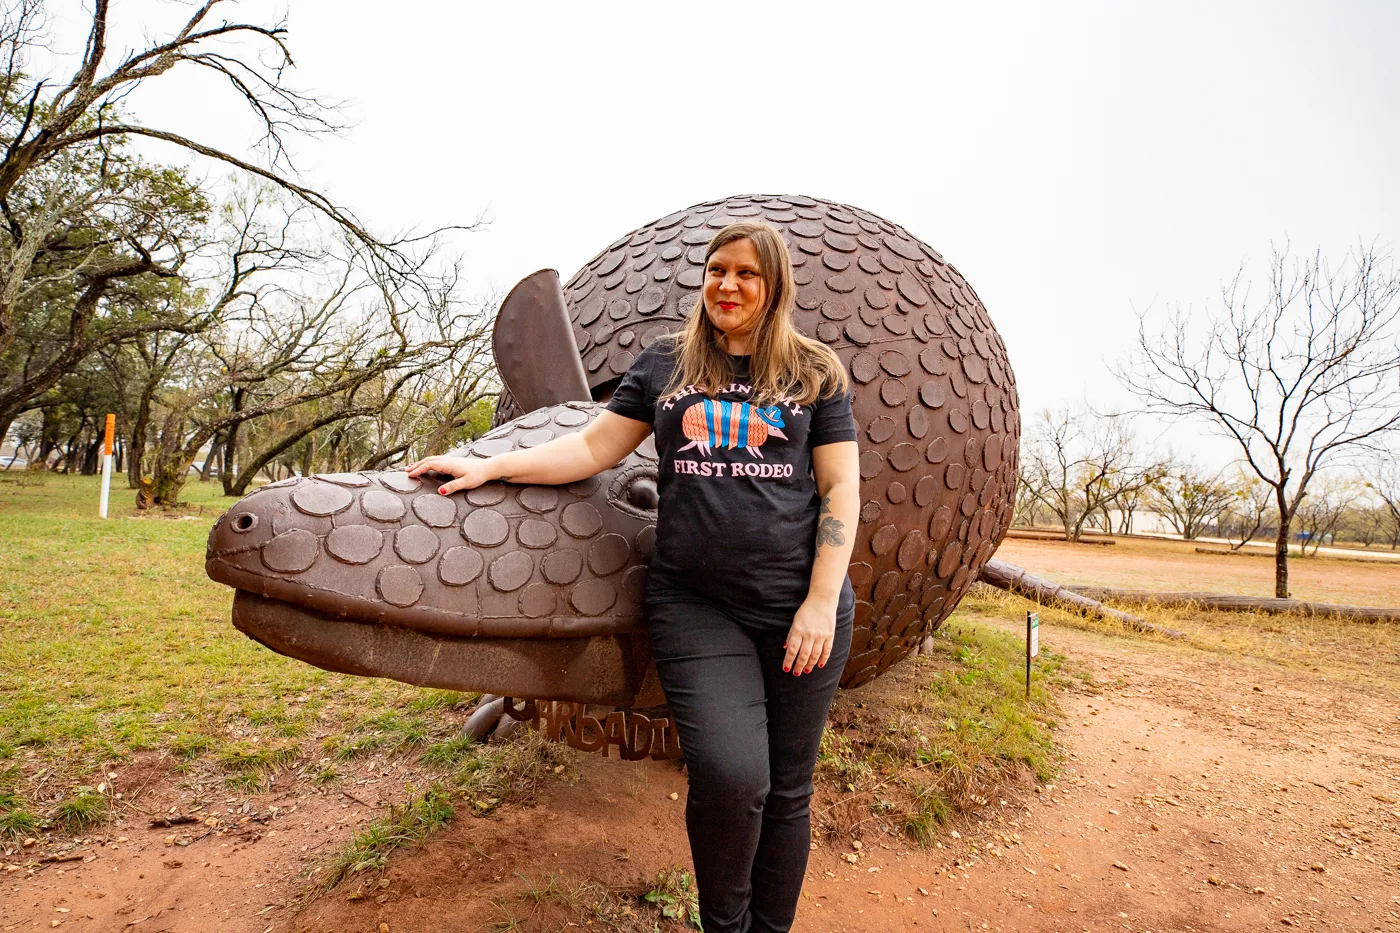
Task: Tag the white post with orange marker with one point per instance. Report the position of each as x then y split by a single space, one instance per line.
107 465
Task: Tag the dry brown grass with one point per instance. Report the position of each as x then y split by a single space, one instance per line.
1360 652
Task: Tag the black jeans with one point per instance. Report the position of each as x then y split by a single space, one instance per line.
750 734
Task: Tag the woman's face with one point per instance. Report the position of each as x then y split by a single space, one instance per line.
735 292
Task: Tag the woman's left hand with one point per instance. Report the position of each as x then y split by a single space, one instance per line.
811 636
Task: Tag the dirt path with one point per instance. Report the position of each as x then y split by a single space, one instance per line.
1198 794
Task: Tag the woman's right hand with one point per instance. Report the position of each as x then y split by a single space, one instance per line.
469 472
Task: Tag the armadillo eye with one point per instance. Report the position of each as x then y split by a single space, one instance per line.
247 521
634 491
641 492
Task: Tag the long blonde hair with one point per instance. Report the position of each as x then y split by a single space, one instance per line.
783 363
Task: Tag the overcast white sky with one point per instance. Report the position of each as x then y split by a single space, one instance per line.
1076 161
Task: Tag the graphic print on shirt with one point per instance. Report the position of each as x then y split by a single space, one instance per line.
723 424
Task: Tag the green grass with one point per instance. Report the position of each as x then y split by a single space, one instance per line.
245 765
939 733
513 772
86 807
406 825
15 821
387 731
116 643
448 753
18 823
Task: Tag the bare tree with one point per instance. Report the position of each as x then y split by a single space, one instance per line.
1128 502
1190 497
1299 379
350 349
1323 510
1366 522
1248 509
1079 464
1028 508
62 137
1383 479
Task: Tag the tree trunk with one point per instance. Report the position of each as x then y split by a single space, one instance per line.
92 458
376 460
1228 602
72 456
230 462
308 457
137 444
209 459
168 478
1281 556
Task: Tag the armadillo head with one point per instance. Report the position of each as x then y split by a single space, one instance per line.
531 591
367 552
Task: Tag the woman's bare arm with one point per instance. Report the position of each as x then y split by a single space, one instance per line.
836 468
603 443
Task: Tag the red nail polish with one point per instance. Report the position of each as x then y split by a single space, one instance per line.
786 669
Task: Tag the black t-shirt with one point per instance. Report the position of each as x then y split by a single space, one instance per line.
737 520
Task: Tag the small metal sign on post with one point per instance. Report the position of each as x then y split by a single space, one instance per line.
1032 645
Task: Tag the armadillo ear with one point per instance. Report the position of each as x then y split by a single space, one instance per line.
533 343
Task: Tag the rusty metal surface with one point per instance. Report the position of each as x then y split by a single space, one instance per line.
499 560
534 356
935 403
633 734
615 670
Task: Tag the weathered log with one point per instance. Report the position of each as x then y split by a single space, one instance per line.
1026 534
1013 579
1235 603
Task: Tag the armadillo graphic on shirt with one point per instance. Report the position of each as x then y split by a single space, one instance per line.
717 423
736 487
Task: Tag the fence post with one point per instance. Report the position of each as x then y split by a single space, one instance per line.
107 466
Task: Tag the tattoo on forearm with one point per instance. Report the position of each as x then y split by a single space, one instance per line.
829 532
826 505
503 479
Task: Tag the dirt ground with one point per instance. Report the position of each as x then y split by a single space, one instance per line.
1199 791
1154 564
1197 794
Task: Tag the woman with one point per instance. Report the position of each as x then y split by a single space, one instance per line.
747 600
